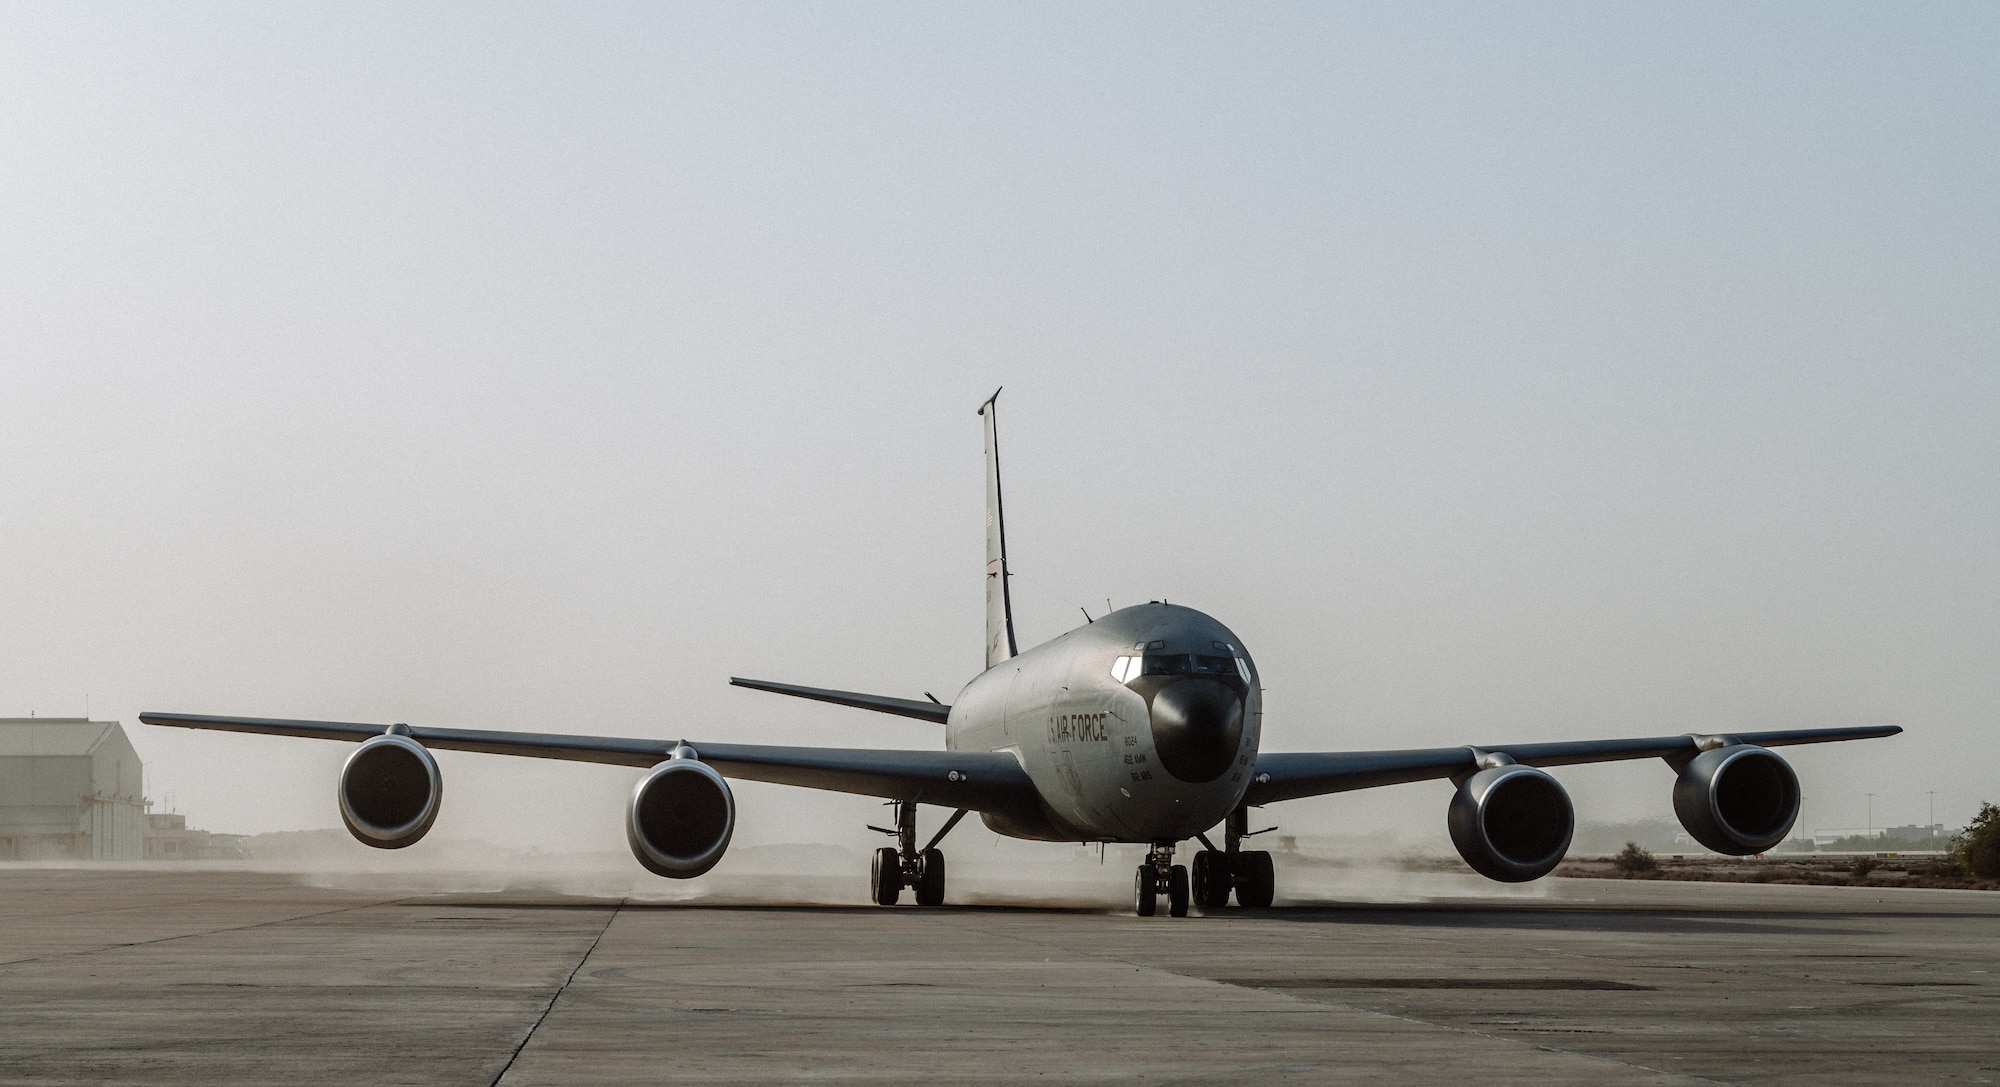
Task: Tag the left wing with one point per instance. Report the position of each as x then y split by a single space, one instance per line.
1290 776
979 780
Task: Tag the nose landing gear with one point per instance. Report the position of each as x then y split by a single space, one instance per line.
1161 874
904 865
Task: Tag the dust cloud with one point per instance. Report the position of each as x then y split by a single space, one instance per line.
991 873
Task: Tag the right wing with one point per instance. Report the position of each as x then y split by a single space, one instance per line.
979 780
1288 776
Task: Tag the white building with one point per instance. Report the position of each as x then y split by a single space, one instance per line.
70 788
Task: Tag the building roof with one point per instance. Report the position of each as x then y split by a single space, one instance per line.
52 735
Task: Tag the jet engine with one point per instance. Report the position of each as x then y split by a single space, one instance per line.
390 790
1511 823
680 818
1737 799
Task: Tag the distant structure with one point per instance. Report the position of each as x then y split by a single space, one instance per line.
169 838
74 789
1906 838
70 788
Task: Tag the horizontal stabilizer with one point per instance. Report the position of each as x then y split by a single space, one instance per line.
902 707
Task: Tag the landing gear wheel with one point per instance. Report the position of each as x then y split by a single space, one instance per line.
1255 879
887 875
1212 879
1177 891
1146 891
930 885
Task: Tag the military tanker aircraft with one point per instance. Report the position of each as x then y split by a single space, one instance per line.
1139 727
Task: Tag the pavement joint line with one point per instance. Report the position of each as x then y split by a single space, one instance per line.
1503 1039
557 995
204 932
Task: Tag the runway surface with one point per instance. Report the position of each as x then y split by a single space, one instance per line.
169 975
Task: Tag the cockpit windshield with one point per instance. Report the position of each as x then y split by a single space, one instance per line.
1126 669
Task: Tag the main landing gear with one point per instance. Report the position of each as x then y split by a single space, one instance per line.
904 865
1217 872
1248 872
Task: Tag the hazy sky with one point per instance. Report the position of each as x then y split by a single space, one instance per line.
1497 373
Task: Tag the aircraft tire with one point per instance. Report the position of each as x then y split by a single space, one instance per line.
1177 891
1256 880
887 875
1146 891
930 885
1211 879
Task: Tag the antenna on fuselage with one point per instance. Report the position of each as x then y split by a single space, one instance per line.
1000 644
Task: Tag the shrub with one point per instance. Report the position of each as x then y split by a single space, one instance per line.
1945 867
1862 866
1978 845
1632 860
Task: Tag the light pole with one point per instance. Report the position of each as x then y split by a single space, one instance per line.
1932 825
1871 815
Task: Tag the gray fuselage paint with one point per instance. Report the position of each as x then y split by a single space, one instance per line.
1088 740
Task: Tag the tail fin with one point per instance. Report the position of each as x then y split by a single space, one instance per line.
999 607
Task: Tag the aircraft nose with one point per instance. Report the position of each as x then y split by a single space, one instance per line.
1197 725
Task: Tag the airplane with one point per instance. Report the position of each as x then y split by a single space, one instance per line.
1141 727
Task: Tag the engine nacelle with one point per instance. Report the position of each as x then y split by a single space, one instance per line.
1511 823
1738 799
680 818
390 790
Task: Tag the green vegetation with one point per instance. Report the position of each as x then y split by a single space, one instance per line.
1862 866
1978 847
1634 861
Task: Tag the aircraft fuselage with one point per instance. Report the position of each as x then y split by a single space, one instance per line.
1139 727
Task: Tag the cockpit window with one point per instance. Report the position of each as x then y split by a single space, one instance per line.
1181 664
1127 669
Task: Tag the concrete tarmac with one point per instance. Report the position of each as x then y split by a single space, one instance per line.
175 975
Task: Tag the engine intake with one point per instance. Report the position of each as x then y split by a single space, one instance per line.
390 790
1511 823
680 818
1738 799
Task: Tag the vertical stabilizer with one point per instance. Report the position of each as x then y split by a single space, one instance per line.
999 608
